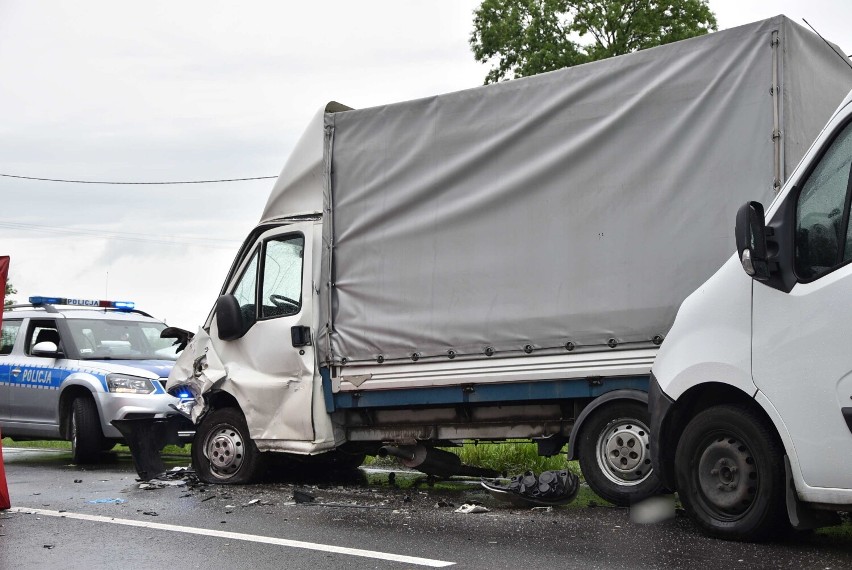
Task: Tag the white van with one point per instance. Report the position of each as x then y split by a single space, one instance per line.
751 394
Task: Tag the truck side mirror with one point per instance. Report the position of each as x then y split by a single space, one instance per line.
751 240
229 318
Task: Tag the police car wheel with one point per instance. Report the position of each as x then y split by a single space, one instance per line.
86 437
223 452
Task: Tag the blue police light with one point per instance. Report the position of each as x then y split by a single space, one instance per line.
120 305
182 392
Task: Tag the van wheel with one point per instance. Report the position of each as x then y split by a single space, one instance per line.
87 440
730 474
223 452
614 453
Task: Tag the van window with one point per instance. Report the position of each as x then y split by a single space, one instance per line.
821 233
8 334
282 276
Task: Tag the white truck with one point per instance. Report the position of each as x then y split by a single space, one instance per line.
751 394
498 263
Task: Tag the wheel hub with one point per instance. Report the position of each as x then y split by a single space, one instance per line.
224 450
727 476
623 452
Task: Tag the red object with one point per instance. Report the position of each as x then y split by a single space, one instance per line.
5 503
4 273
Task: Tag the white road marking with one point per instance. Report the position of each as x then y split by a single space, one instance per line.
241 536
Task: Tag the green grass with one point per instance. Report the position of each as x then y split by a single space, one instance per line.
66 445
511 458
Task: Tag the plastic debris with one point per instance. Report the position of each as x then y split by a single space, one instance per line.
548 489
469 509
106 502
301 496
252 502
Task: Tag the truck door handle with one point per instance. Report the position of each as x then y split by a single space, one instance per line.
15 371
301 336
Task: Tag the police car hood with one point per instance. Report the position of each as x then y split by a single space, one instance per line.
160 368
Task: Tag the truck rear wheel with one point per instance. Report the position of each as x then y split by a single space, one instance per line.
614 453
86 437
730 474
223 452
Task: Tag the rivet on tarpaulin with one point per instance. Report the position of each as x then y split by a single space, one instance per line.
569 346
451 354
612 343
528 349
489 351
415 357
658 339
380 359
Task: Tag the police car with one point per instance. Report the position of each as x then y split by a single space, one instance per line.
68 367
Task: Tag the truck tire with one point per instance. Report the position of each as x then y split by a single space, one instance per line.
614 453
87 440
729 469
223 452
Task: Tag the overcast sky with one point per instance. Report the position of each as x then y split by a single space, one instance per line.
175 90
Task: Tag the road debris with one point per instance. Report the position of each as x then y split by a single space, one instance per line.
106 502
470 508
301 496
548 489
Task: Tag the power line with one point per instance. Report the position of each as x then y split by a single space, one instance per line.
137 183
127 236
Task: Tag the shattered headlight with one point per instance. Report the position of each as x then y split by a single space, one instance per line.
124 384
186 396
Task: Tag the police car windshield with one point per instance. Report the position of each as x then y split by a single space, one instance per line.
120 340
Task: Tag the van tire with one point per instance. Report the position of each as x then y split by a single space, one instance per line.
222 450
618 426
729 468
87 440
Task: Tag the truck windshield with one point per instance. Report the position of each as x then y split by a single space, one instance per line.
120 340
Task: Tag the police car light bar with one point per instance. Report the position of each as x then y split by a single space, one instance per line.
120 305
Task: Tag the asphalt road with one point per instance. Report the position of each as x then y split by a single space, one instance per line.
65 516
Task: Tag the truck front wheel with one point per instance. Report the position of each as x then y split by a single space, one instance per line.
223 452
614 453
730 474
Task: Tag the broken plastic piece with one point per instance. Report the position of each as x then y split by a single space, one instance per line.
469 508
548 489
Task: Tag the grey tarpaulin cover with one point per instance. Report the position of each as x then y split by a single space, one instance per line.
579 205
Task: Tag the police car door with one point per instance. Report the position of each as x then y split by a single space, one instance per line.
271 367
35 380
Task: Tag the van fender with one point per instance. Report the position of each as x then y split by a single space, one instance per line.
636 395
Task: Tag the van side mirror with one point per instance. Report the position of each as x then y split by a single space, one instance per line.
229 318
751 240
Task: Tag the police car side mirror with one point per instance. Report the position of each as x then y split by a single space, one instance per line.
46 349
229 318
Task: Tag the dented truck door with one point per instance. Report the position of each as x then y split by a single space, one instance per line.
269 368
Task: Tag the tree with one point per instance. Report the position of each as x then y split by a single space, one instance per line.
10 290
525 37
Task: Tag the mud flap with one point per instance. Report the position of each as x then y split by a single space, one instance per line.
801 516
147 437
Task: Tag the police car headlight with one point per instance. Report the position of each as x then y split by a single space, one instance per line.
123 384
